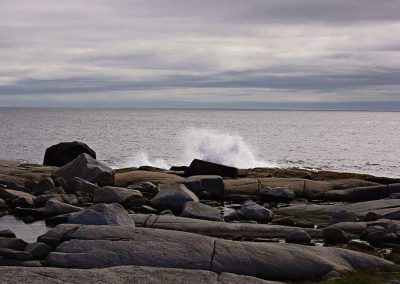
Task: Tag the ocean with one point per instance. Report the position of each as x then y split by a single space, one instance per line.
349 141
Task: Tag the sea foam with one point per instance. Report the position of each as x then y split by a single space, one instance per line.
206 144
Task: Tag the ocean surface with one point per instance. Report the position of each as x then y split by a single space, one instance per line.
366 142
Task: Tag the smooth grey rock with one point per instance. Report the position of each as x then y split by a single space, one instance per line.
12 243
343 216
122 275
211 185
198 210
78 184
89 169
105 246
173 197
298 237
7 234
43 186
110 194
38 250
102 214
55 207
252 211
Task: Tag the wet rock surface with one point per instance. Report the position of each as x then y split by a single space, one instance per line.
201 220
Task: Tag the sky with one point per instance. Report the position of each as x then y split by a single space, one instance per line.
288 54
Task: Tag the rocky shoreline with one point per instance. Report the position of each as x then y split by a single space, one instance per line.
205 222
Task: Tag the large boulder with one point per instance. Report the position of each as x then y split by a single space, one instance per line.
198 210
252 211
173 197
55 207
65 152
200 167
38 250
212 186
102 214
110 194
106 246
89 169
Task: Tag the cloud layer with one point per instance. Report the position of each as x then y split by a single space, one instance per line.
201 53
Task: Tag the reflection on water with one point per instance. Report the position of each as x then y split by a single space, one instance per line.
27 232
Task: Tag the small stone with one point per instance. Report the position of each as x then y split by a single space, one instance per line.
146 209
298 237
371 216
166 212
38 250
61 182
2 203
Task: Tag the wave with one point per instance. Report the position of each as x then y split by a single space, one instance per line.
210 145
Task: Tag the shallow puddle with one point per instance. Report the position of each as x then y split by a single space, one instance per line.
27 232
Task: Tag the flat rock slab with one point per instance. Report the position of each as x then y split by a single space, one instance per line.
317 212
219 229
300 187
123 179
121 274
107 246
23 174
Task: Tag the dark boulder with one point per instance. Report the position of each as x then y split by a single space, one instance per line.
7 234
89 169
63 153
212 186
298 237
200 167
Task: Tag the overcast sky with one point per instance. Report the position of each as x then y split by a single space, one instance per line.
201 53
